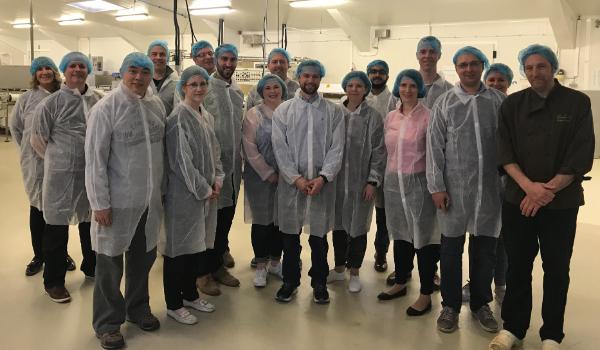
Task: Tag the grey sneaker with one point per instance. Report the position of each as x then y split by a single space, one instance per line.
486 319
448 320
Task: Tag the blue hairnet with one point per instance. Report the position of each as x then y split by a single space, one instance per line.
160 43
413 75
199 46
187 74
40 62
226 48
136 59
502 69
279 51
430 41
379 63
75 56
473 51
268 77
537 49
310 63
360 76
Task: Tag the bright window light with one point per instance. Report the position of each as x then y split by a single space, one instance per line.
207 4
211 11
22 23
71 20
137 13
315 3
95 6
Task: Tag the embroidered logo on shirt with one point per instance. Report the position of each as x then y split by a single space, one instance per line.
563 118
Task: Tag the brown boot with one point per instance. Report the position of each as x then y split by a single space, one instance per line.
224 277
228 260
207 285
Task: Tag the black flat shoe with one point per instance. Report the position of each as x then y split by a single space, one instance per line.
414 312
34 267
386 296
380 263
70 264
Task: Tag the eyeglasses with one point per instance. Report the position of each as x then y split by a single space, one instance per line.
377 71
205 54
201 85
472 64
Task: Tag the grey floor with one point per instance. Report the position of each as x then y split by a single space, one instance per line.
247 318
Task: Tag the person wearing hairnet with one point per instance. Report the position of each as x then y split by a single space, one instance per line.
261 178
380 98
195 178
45 79
58 130
356 184
278 63
429 52
499 76
224 101
124 179
165 78
465 185
546 145
203 55
308 141
411 213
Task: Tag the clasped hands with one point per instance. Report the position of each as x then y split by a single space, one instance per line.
537 195
310 187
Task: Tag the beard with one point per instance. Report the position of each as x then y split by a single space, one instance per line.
309 89
227 74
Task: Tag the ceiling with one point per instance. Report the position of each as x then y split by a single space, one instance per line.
249 15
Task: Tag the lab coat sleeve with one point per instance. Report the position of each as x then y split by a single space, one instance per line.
436 150
283 152
252 155
333 158
17 123
97 151
180 162
378 151
41 126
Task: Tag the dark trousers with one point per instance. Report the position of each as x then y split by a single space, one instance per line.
55 240
382 238
36 227
427 258
267 242
291 259
224 221
482 259
552 232
349 251
501 262
110 308
179 279
204 263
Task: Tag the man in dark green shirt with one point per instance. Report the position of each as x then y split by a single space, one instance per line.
546 145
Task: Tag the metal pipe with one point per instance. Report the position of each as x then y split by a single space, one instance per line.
31 29
221 32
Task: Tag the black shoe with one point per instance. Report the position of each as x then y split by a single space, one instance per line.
34 266
391 278
380 263
253 263
111 340
147 323
414 312
70 264
320 294
286 292
386 296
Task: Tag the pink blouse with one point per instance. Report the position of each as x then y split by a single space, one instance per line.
405 139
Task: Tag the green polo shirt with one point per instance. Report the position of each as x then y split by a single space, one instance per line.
545 137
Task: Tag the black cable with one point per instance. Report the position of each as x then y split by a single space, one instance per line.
187 7
176 25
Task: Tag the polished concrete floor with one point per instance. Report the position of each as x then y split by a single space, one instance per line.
249 318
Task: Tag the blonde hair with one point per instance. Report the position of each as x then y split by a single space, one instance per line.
55 83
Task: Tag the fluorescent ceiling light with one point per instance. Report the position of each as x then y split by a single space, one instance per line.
95 6
210 7
71 20
137 13
22 23
211 11
315 3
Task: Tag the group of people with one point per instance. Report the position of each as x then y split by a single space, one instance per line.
157 164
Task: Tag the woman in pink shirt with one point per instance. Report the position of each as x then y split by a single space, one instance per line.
410 211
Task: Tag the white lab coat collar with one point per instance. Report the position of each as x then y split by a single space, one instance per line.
314 103
130 94
76 92
465 97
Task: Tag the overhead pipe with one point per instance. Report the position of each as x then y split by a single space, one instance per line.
221 32
31 29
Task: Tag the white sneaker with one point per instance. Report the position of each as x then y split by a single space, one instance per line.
260 278
200 305
276 270
549 344
335 276
182 315
354 286
505 340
